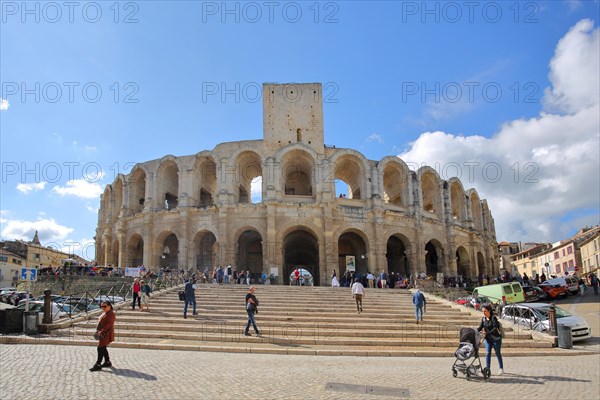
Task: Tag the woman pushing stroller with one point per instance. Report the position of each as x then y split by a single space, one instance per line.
493 337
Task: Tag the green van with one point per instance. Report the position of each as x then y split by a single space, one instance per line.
502 292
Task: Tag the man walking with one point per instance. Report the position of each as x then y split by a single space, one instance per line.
358 292
594 281
420 304
251 308
190 298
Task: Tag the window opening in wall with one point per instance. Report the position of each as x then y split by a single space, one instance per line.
171 201
298 135
206 198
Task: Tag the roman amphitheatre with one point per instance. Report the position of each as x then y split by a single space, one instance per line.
274 204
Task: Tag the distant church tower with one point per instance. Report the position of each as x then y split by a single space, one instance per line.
36 239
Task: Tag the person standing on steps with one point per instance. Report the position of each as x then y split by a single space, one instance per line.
106 334
358 292
136 294
190 298
420 304
251 309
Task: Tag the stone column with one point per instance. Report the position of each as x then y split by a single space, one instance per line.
122 248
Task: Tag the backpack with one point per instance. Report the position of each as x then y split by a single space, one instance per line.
500 328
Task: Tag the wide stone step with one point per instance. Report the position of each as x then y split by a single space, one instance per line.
325 330
275 337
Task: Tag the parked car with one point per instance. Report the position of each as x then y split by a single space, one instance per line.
58 310
15 298
535 317
541 293
505 293
111 298
532 294
554 291
570 282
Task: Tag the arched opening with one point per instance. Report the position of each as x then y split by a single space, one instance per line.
395 185
205 250
305 278
169 252
168 182
297 173
481 268
205 182
397 260
352 253
137 192
457 200
301 250
250 254
431 193
463 263
249 184
434 254
135 251
348 178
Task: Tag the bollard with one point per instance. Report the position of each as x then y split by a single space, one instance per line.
552 320
47 307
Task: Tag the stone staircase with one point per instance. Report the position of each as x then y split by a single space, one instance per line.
297 320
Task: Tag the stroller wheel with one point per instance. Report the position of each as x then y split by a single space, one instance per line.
454 373
468 374
487 373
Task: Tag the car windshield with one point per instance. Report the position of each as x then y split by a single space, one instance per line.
560 313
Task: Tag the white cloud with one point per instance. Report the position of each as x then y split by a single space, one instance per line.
92 209
374 138
574 70
4 104
80 188
48 230
30 187
549 164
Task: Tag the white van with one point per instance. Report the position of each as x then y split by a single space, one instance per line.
570 282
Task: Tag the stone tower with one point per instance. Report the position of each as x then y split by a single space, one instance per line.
293 113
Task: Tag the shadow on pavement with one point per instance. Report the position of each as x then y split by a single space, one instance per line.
131 374
532 380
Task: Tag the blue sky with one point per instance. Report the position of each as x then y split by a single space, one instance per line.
505 87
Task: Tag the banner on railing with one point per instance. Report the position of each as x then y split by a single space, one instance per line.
134 272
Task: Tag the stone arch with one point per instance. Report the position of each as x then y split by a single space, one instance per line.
298 172
487 216
137 190
134 254
397 260
352 168
463 263
249 255
434 258
476 213
204 182
395 181
481 267
431 194
301 250
167 183
353 242
167 250
248 166
205 250
457 200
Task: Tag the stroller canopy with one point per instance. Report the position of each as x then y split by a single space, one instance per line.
469 335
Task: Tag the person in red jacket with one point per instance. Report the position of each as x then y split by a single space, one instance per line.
106 333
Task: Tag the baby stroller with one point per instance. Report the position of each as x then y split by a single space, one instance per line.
468 349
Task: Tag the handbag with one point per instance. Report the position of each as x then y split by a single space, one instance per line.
97 335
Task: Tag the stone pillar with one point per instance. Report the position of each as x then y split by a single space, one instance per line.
150 194
122 246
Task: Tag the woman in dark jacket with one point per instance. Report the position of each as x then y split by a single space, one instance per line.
106 331
493 339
